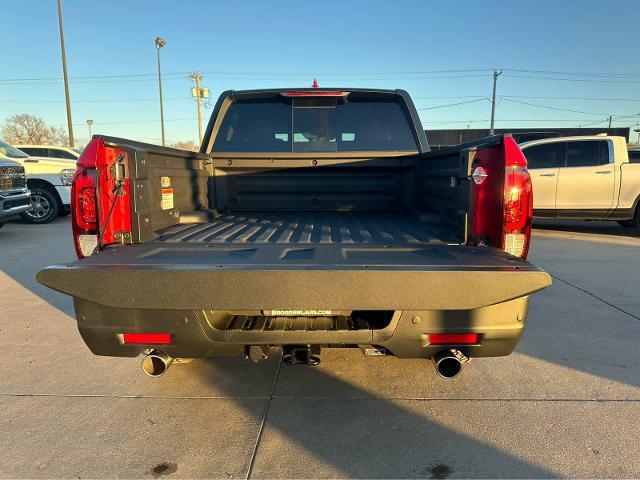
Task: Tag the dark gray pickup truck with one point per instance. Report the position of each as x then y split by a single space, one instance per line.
309 219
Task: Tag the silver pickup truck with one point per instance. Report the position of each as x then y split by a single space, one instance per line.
14 195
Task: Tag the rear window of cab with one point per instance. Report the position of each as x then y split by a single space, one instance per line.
315 124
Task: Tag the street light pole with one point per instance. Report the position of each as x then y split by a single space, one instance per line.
66 80
159 44
496 74
89 123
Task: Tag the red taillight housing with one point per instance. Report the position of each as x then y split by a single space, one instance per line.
84 211
453 338
146 338
503 199
100 198
314 93
518 202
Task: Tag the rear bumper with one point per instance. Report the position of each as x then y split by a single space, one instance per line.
197 333
193 292
13 204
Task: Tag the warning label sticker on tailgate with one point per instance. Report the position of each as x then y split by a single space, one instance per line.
167 199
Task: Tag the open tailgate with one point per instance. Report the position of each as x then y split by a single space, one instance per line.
237 277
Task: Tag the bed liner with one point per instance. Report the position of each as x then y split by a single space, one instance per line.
310 228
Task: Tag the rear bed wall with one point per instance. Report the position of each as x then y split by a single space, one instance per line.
364 185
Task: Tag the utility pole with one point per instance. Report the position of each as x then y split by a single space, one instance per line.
66 80
89 123
610 116
159 44
199 93
496 74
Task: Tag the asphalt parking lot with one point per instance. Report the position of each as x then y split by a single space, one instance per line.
567 403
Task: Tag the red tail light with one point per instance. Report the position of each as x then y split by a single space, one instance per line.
315 93
147 338
453 338
84 221
503 200
100 202
518 202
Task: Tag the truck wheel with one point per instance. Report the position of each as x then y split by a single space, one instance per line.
45 206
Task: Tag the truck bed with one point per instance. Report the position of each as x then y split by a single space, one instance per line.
310 228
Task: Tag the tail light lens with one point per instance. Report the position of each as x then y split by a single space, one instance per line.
314 93
147 338
518 202
453 338
502 199
100 203
84 219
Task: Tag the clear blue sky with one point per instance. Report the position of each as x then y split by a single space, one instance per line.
384 44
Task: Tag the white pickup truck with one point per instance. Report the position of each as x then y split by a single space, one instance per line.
49 180
585 178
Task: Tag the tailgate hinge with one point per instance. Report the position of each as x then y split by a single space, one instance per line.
123 237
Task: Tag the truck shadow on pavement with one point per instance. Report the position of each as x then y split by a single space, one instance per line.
25 249
335 429
580 226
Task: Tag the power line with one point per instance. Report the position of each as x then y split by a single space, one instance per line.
551 108
454 104
549 120
248 77
619 76
88 82
571 79
572 111
127 75
452 121
123 100
572 98
606 120
445 97
131 100
133 122
234 73
583 74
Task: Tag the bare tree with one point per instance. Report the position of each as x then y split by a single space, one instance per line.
59 136
29 129
186 145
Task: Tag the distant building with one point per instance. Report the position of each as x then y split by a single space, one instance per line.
446 138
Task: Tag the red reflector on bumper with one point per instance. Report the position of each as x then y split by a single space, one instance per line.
147 338
453 338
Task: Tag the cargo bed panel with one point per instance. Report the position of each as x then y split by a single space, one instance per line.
310 228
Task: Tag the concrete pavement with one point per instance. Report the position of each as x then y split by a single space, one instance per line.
567 403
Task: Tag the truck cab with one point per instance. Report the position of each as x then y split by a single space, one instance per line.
585 178
51 151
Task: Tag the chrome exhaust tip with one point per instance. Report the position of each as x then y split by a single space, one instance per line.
156 363
447 364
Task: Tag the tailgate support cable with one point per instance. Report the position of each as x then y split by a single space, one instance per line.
118 192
